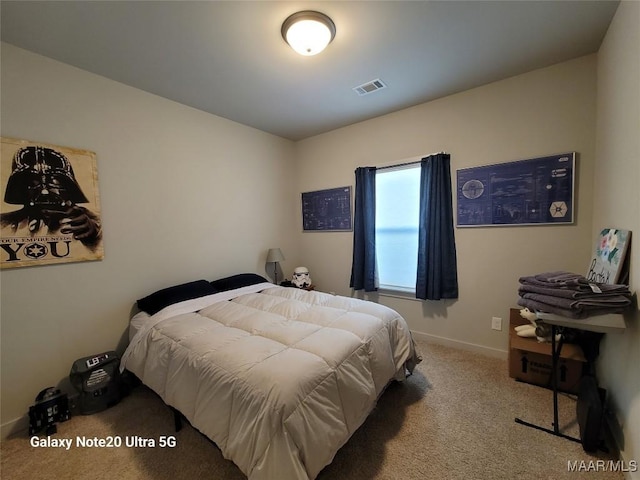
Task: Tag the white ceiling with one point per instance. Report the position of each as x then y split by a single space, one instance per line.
229 59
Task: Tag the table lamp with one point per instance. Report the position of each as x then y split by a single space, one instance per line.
274 256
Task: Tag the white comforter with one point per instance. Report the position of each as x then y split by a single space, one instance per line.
279 378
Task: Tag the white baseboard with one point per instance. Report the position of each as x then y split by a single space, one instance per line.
15 426
492 352
629 474
615 437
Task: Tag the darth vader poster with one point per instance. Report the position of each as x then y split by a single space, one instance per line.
50 205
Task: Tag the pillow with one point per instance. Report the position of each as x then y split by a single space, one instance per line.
158 300
237 281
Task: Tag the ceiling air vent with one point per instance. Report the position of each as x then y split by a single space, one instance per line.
369 87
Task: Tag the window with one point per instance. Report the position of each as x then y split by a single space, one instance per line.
390 197
397 216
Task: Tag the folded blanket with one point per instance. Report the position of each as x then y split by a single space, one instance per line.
568 280
571 295
534 305
577 292
559 278
612 301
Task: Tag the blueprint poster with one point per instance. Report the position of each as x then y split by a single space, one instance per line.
525 192
327 210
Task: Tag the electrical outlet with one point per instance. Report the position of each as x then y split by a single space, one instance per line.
496 323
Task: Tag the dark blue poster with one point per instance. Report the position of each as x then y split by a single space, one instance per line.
327 210
525 192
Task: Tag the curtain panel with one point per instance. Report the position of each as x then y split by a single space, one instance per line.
363 267
437 275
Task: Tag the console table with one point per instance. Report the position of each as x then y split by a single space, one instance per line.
610 323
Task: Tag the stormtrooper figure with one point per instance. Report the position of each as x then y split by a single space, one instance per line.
301 278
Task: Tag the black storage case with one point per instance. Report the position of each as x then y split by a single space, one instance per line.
51 406
97 379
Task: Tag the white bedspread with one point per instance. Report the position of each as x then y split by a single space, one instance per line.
279 378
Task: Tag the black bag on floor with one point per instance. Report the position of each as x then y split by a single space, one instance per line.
97 379
590 413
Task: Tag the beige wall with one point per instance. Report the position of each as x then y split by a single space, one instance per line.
617 204
185 195
544 112
171 176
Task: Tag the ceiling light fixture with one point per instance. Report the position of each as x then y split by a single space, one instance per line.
308 32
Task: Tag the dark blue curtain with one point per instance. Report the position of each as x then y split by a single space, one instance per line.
363 267
437 267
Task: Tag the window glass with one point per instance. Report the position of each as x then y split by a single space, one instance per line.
397 212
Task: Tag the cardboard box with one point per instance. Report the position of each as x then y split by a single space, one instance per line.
530 360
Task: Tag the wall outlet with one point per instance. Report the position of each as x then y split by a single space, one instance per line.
496 323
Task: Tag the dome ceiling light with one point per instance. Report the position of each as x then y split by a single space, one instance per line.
308 32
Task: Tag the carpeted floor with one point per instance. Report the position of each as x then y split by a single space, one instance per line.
452 419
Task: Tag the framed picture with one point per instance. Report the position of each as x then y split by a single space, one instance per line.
50 209
525 192
327 210
608 259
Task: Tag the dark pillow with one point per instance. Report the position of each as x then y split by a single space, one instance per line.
158 300
237 281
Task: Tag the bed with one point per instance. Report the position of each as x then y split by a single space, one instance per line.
278 378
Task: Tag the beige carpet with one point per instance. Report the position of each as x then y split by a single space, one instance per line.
453 419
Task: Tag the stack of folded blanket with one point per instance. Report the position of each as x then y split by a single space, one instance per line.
571 295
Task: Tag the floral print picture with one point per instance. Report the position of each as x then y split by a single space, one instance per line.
607 262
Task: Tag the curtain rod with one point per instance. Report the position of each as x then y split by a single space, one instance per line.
408 163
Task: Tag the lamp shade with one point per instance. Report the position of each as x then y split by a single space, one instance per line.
308 32
274 255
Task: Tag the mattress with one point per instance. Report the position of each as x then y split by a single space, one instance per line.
279 378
